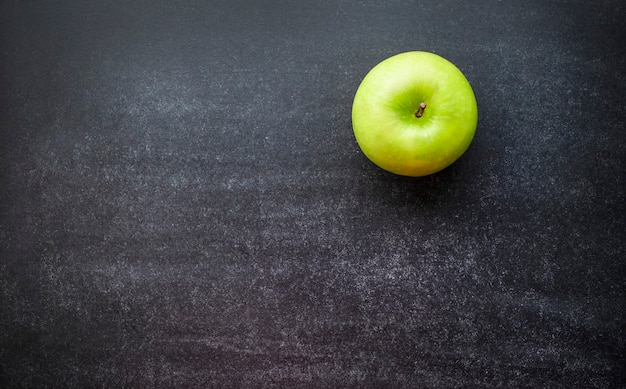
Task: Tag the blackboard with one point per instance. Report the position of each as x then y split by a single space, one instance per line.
183 203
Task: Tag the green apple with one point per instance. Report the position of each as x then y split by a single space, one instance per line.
414 114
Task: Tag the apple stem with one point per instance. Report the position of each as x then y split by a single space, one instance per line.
420 111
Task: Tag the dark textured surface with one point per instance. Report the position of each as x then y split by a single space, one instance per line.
183 203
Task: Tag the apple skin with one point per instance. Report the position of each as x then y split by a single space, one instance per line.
384 114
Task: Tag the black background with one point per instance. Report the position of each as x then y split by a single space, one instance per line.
183 203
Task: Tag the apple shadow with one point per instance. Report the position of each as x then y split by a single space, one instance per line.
446 189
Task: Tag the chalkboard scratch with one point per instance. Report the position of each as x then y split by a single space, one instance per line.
289 349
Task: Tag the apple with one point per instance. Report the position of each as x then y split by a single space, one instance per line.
414 114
